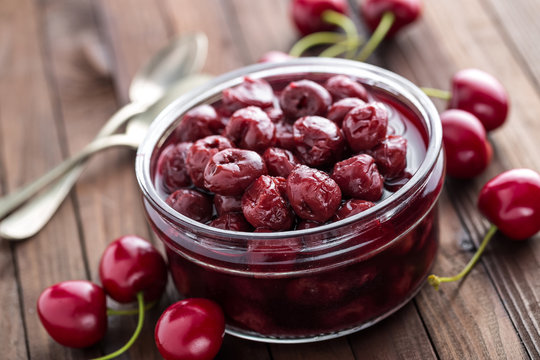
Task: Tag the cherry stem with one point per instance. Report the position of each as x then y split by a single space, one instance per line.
378 36
435 281
121 312
345 23
342 47
437 93
140 301
311 40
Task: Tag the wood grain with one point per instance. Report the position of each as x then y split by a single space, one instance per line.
33 145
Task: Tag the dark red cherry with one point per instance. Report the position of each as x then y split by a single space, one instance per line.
313 194
130 265
265 206
352 207
231 171
359 177
279 162
190 329
480 94
200 153
341 108
251 128
318 140
231 221
227 204
172 166
511 201
74 313
342 86
303 98
405 11
365 126
252 92
391 156
192 204
275 56
306 14
275 114
468 151
199 122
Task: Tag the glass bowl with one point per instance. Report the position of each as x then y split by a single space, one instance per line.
348 274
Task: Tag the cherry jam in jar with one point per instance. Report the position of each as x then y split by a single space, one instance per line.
314 280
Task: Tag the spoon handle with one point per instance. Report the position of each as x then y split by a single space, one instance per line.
15 199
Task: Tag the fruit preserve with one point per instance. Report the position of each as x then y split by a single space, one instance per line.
300 196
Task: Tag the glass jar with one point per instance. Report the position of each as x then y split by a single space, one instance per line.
318 283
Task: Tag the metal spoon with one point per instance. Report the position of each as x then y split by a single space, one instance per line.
32 217
182 56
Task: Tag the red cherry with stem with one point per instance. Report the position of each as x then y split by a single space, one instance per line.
480 94
74 313
307 14
511 201
190 329
385 18
130 265
468 152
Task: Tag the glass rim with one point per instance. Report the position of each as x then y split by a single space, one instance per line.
377 76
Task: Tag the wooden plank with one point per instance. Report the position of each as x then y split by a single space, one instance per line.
472 304
519 27
108 196
401 336
31 146
474 43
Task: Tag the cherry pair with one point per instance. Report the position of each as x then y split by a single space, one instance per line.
511 201
74 313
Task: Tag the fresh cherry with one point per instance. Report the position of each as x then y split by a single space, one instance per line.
511 201
480 94
264 204
365 126
385 18
130 265
252 92
172 166
404 11
468 152
313 194
303 98
319 141
359 177
199 122
251 128
231 171
74 313
307 14
190 329
342 86
192 204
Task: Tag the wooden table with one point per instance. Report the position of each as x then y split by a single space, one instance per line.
65 67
